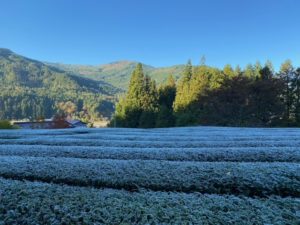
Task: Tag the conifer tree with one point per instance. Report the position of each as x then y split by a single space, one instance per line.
264 99
257 69
286 75
237 71
249 71
228 71
166 93
183 88
184 96
139 107
136 87
269 64
149 104
296 95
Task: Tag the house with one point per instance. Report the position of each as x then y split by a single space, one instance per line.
47 124
50 124
77 123
35 125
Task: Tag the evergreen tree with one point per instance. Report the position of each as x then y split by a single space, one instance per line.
150 104
296 96
228 71
264 103
167 94
139 107
203 60
286 75
237 71
249 71
269 64
257 69
183 88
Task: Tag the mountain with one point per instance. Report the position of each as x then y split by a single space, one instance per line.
118 73
25 72
30 89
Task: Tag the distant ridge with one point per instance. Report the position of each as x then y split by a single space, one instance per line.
118 73
115 74
22 71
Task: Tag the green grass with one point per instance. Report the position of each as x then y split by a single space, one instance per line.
5 124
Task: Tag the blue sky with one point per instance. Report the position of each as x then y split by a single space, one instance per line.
155 32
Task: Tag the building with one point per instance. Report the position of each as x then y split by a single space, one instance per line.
43 125
77 123
50 124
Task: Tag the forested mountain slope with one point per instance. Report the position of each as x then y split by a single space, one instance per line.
118 73
31 89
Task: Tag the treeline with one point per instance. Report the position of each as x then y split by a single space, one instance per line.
28 103
254 96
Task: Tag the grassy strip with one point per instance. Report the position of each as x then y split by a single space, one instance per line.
249 179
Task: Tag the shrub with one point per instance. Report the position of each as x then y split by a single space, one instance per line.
5 124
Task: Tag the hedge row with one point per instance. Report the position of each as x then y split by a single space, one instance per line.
260 154
249 179
52 141
39 203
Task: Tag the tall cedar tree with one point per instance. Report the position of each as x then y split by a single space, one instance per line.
139 107
264 99
166 97
183 87
286 75
296 90
184 95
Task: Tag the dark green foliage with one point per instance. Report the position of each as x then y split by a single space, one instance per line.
265 104
147 119
228 71
194 87
139 107
253 97
208 96
165 117
296 91
286 75
167 93
224 105
166 97
5 124
183 89
242 101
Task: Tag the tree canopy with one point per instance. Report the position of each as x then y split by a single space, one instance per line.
204 95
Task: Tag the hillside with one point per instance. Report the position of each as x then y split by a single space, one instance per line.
21 71
118 73
30 89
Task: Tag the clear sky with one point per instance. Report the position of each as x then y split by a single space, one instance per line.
155 32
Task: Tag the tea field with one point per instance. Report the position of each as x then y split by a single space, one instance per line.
194 175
